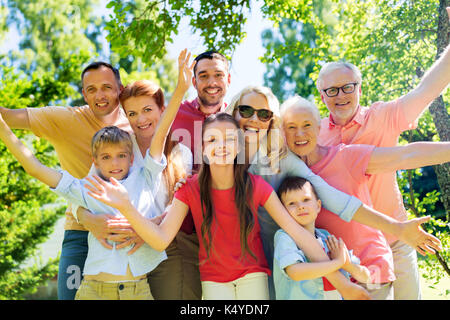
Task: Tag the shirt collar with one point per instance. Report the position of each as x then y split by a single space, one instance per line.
358 118
196 105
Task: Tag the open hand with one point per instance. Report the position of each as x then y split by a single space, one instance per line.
110 193
185 70
416 237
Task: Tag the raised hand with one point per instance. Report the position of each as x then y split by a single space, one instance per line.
110 193
185 70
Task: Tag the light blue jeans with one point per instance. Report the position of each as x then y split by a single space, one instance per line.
71 263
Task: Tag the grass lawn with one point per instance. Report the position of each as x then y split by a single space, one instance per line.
439 290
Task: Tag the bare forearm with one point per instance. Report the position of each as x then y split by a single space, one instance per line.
410 156
312 270
432 84
26 158
372 218
360 273
145 228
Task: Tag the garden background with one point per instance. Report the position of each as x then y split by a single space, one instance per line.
44 45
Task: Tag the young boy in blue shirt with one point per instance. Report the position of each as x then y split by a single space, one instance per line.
295 277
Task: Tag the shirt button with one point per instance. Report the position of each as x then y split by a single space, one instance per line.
121 286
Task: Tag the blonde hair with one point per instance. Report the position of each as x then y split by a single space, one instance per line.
331 66
110 135
274 142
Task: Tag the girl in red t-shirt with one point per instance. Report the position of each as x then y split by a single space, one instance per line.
223 199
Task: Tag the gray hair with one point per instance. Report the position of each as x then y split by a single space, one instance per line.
272 100
331 66
300 102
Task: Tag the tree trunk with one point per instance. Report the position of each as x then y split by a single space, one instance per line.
438 110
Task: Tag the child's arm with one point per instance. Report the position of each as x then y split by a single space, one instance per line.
312 270
338 248
184 79
26 158
157 236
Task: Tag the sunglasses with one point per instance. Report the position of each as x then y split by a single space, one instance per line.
247 112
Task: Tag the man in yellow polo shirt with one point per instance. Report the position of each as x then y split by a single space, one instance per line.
70 130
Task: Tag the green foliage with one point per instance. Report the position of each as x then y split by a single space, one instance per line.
393 44
143 29
28 209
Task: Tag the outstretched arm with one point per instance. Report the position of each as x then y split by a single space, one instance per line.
410 156
157 236
184 79
409 231
26 158
433 82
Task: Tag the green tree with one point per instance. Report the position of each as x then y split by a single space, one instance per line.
393 43
45 70
26 217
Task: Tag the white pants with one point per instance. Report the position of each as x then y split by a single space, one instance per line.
252 286
407 283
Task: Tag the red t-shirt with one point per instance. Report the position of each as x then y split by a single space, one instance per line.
226 262
187 129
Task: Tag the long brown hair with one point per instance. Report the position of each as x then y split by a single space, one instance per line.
243 190
175 170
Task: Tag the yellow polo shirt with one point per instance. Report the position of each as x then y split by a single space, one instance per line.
70 131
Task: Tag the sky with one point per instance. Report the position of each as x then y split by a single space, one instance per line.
245 69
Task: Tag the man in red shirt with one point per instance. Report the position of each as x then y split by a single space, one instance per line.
381 124
211 80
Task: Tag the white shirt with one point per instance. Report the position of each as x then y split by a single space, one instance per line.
141 183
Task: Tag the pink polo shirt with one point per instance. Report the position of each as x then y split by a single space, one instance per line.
344 167
380 125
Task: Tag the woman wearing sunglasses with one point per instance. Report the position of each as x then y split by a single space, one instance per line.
257 111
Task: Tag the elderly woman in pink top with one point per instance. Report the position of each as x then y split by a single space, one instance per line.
347 168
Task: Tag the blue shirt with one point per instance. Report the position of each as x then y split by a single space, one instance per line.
141 184
287 253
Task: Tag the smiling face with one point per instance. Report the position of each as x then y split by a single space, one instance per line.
220 143
301 129
143 113
254 129
343 106
101 91
302 204
211 80
113 160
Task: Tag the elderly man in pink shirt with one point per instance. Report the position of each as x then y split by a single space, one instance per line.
348 168
380 124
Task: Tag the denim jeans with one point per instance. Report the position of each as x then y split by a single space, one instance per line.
73 255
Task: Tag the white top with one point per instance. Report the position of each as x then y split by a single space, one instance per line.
141 183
